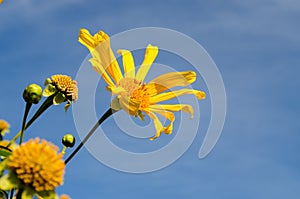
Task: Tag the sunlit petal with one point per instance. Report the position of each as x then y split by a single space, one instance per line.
150 55
128 63
173 107
172 94
171 80
99 46
99 69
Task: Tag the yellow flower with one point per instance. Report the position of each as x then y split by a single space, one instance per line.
37 165
63 87
132 94
66 85
4 126
1 1
64 196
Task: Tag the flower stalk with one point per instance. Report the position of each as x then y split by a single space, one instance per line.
47 103
106 115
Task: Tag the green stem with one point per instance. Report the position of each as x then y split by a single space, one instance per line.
108 113
27 108
47 103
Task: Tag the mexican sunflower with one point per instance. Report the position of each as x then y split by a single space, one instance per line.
133 95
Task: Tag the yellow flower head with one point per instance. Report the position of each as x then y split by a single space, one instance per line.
4 126
66 85
63 87
37 165
132 94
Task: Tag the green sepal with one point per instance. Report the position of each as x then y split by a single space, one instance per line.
59 98
67 106
115 104
48 195
27 193
3 132
141 115
49 90
8 182
47 82
5 152
3 166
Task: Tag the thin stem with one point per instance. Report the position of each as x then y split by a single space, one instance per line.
19 194
108 113
11 193
47 103
27 108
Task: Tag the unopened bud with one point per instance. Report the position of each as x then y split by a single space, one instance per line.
33 93
68 140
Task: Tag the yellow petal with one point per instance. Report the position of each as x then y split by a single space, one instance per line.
168 115
150 55
98 68
173 107
172 79
99 46
86 39
157 124
107 57
128 63
172 94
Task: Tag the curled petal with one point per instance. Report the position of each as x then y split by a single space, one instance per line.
173 107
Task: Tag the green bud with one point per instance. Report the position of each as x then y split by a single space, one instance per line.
32 93
68 140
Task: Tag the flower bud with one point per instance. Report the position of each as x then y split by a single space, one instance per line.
68 140
32 93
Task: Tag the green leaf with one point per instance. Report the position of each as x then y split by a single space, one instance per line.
49 90
5 152
59 98
8 182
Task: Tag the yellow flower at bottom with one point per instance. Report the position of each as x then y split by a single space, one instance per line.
133 95
37 165
4 126
64 196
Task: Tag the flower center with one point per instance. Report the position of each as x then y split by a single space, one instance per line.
135 90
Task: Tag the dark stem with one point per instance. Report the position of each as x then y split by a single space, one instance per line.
19 194
27 108
11 193
47 103
108 113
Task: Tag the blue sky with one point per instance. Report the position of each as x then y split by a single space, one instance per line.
255 45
